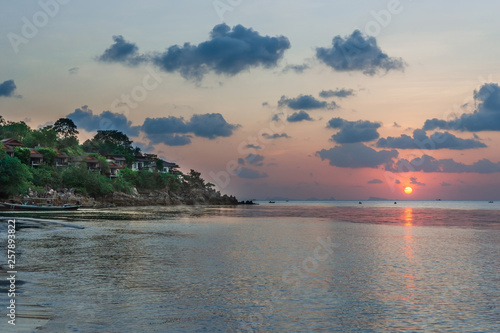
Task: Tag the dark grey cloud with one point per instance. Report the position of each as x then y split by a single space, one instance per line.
375 181
428 163
85 118
353 131
485 117
7 88
305 102
276 136
420 140
396 125
357 155
228 51
299 116
176 131
339 93
397 181
123 52
73 70
255 159
445 184
247 173
414 181
241 161
253 146
357 53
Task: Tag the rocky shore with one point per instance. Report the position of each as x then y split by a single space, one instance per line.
187 196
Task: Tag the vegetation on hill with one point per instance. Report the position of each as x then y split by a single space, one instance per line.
17 177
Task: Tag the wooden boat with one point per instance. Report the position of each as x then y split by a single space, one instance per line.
38 208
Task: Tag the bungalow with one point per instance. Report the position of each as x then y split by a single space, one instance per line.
62 159
113 170
167 166
9 145
93 163
116 159
35 158
140 163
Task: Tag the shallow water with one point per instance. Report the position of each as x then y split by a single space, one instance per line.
289 267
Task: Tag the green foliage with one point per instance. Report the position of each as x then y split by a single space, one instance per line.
22 154
103 164
121 185
49 155
46 176
87 182
14 176
45 137
14 130
65 128
194 179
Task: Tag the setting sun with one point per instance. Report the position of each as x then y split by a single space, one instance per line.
408 190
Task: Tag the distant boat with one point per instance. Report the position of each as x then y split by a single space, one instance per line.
360 202
38 208
272 202
490 201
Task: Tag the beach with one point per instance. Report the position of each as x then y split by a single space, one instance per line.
284 267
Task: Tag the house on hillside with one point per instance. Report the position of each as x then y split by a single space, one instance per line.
35 158
9 145
168 167
92 163
62 160
141 163
117 159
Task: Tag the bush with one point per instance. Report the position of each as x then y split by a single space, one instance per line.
14 176
46 176
86 182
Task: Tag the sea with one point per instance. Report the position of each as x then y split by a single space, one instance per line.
338 266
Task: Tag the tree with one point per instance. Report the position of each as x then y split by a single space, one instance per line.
49 155
15 130
22 154
2 121
65 128
109 142
45 137
14 176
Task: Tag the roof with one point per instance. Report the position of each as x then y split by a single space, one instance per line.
12 142
91 159
35 154
114 166
116 157
62 155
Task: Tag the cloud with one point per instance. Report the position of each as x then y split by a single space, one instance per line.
298 116
241 161
123 52
255 159
228 51
428 163
485 117
353 131
397 181
414 181
445 184
375 181
420 140
253 146
85 118
357 155
295 68
249 173
275 136
340 93
174 131
396 125
357 53
7 88
305 102
73 70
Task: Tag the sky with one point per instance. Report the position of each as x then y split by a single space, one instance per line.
273 99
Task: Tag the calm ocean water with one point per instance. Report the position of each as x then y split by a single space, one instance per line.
283 267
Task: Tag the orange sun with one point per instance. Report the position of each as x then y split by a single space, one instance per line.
408 190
